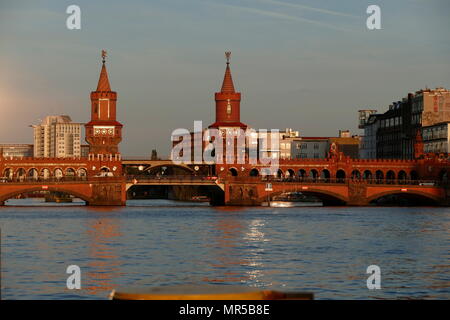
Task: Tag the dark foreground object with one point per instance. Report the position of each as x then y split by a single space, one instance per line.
205 293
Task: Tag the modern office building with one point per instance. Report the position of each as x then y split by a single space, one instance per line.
57 137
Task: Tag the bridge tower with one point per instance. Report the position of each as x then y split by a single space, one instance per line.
228 103
228 116
103 132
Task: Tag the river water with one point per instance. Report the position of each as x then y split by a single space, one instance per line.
324 250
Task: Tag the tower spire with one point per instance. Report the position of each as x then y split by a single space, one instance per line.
103 81
227 85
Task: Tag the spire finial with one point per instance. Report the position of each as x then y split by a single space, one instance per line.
104 55
228 55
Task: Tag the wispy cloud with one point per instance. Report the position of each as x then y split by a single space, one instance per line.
308 8
281 16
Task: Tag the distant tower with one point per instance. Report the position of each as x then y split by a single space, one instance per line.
103 132
228 102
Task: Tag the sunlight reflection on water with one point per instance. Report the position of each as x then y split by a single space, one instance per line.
325 250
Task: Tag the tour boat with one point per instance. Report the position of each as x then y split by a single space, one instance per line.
293 199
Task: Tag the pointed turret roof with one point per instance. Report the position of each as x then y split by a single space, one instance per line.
103 82
227 85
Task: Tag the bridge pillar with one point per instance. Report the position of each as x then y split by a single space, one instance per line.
357 194
108 194
242 195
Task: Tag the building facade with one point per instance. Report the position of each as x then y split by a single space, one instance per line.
16 150
436 138
57 137
309 148
395 132
368 146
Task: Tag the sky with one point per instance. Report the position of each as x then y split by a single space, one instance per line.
309 65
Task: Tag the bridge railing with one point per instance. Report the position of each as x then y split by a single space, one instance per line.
65 179
336 181
169 178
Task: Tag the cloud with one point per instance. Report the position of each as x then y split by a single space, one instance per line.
301 6
281 16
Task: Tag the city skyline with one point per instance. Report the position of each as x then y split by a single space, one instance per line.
294 82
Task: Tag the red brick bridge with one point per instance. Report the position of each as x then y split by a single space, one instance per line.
98 180
336 180
339 180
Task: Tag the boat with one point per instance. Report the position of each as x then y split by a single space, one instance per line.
293 199
58 198
290 204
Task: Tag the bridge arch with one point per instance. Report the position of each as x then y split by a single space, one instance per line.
290 173
301 173
313 174
390 176
8 173
279 173
327 197
70 172
20 173
325 174
82 172
254 172
33 174
58 188
367 175
424 198
45 173
402 176
233 172
356 175
58 173
167 166
340 176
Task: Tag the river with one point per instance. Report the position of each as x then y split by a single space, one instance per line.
324 250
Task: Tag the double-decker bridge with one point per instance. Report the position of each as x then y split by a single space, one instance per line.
103 178
335 180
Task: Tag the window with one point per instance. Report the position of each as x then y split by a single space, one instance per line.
316 146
